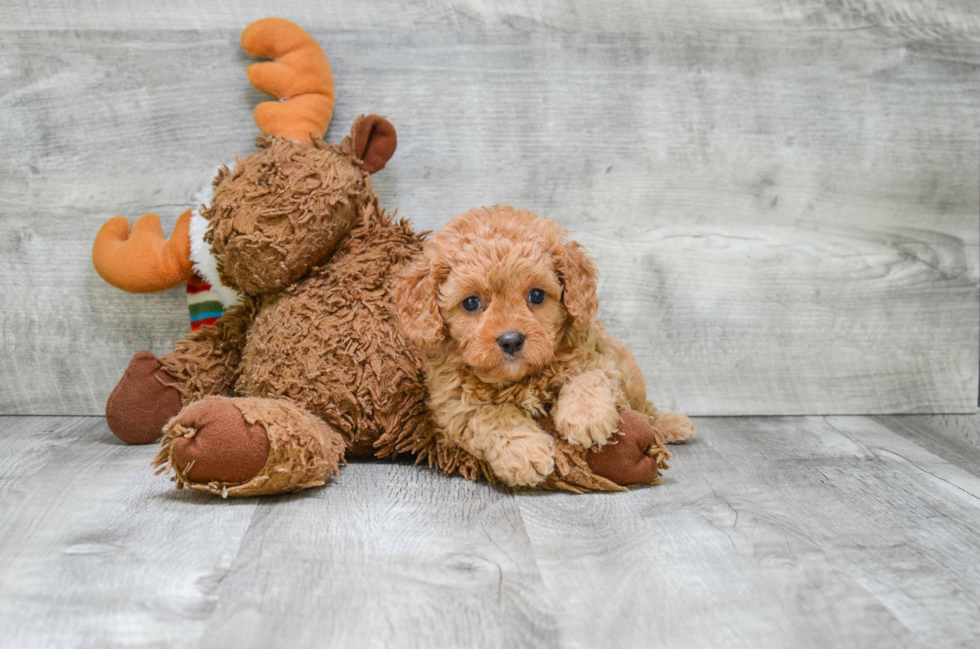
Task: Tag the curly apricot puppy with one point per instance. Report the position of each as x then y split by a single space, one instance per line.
504 310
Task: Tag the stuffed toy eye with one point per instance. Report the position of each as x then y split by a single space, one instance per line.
536 296
472 303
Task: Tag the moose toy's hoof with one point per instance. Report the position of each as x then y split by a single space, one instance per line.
636 457
217 444
248 447
142 402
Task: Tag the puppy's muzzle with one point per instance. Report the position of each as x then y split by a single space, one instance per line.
511 342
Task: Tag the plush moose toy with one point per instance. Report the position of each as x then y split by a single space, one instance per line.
308 365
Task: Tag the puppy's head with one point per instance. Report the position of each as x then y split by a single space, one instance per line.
499 287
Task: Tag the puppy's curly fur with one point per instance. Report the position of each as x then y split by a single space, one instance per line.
496 271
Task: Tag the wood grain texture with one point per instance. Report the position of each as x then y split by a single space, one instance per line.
391 555
921 19
98 553
27 444
782 197
955 438
775 532
767 532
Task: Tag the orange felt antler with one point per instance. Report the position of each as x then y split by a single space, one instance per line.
142 260
298 75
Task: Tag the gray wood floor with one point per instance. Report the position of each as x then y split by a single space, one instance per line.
768 532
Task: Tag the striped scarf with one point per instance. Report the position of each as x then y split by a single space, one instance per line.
202 303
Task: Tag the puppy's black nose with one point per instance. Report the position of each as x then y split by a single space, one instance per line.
511 342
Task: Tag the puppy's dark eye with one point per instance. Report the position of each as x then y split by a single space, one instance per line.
472 303
536 296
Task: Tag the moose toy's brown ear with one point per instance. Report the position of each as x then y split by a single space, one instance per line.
375 141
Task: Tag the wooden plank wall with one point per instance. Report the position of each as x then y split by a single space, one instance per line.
782 196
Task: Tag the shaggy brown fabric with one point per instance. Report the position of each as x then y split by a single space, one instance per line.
303 450
281 210
330 342
206 363
223 447
637 455
142 402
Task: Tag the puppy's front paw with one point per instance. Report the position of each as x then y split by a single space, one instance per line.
522 457
674 427
586 412
586 424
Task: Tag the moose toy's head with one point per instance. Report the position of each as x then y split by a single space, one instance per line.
283 209
276 213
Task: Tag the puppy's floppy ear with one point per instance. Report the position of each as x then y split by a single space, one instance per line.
578 277
418 310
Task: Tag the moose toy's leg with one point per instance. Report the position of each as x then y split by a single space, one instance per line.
249 446
152 390
143 401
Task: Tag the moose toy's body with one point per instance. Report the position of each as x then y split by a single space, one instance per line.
322 364
309 365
